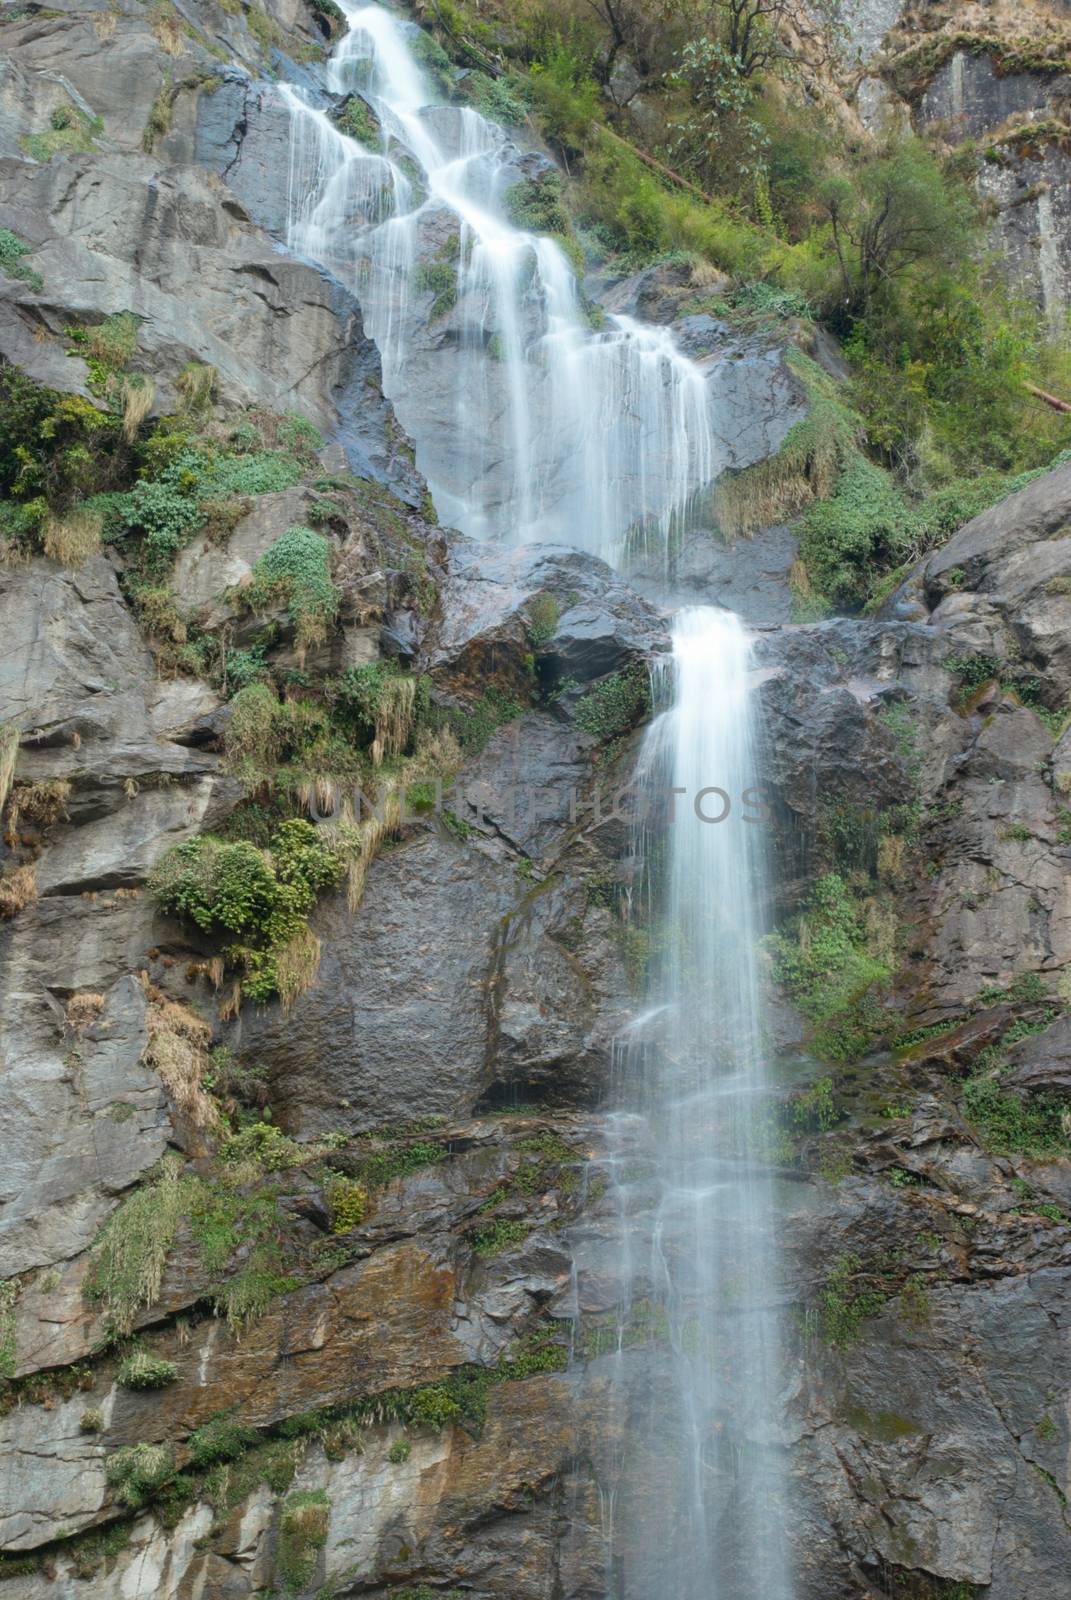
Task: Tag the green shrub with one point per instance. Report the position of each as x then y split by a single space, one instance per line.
1007 1125
219 1439
844 1304
137 1470
347 1202
12 249
140 1370
132 1249
615 705
257 901
303 1530
864 529
297 569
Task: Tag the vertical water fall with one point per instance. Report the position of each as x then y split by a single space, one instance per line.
535 417
699 1508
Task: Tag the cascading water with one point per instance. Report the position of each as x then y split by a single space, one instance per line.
699 1507
530 423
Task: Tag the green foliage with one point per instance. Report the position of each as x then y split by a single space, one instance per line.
615 705
297 569
80 132
137 1470
12 249
132 1249
500 1234
538 206
347 1202
399 1451
830 964
396 1160
438 277
303 1529
502 100
845 1304
359 121
256 901
473 726
542 614
1007 1125
866 527
140 1370
815 1110
219 1439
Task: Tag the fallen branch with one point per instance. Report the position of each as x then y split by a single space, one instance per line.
1050 399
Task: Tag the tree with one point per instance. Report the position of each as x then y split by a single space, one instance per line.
900 212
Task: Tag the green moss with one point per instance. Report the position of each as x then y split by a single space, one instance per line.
357 119
80 133
439 277
303 1528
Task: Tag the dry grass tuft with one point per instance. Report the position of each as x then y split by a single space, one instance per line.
296 966
40 803
9 754
84 1008
17 890
138 395
178 1051
394 718
72 539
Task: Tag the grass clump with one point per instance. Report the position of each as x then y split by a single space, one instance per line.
502 1233
439 277
297 570
303 1529
132 1250
256 901
830 963
219 1439
79 132
140 1370
137 1471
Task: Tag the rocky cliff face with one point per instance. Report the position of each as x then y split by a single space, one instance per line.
992 80
359 1345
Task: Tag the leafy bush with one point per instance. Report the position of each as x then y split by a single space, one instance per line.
1037 1127
615 705
219 1439
256 900
359 121
297 569
864 529
348 1202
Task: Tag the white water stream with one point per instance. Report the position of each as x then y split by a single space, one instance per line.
530 423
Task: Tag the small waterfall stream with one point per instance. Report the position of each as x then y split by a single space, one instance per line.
536 421
530 422
697 1365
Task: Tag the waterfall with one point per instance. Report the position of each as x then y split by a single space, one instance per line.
535 417
699 1506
